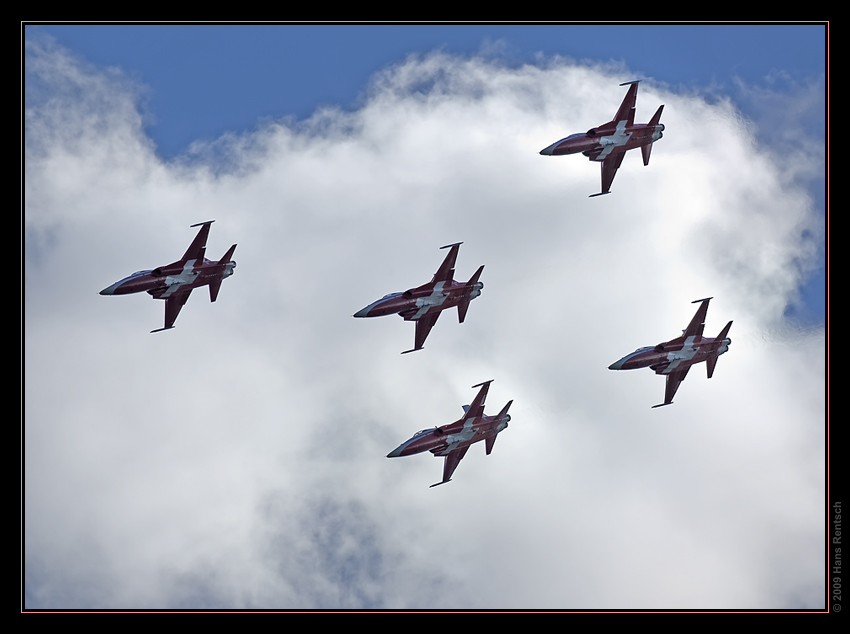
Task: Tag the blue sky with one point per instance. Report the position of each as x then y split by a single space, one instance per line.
238 460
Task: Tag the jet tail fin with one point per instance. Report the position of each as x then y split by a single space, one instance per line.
505 409
724 332
463 306
226 257
656 118
216 285
711 362
491 440
474 279
646 149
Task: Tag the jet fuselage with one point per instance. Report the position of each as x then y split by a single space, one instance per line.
673 355
415 303
458 435
598 146
162 282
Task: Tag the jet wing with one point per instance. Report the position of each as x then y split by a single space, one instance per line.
452 460
610 165
673 381
173 304
626 112
423 327
697 324
198 247
476 410
627 108
447 269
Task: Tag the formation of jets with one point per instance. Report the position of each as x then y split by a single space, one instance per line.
423 304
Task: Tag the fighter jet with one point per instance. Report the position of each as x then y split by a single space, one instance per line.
453 440
674 358
174 282
424 303
609 142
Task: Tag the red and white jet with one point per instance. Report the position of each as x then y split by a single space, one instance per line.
609 142
676 357
453 440
424 303
174 282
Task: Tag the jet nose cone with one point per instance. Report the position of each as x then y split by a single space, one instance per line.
617 365
363 312
549 151
395 453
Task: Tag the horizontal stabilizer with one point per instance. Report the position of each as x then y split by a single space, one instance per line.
662 404
710 364
436 484
462 307
645 151
161 329
215 286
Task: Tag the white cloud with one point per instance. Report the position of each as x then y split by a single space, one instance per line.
238 460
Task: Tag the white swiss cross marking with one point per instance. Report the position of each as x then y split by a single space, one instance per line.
608 143
186 276
677 356
436 298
